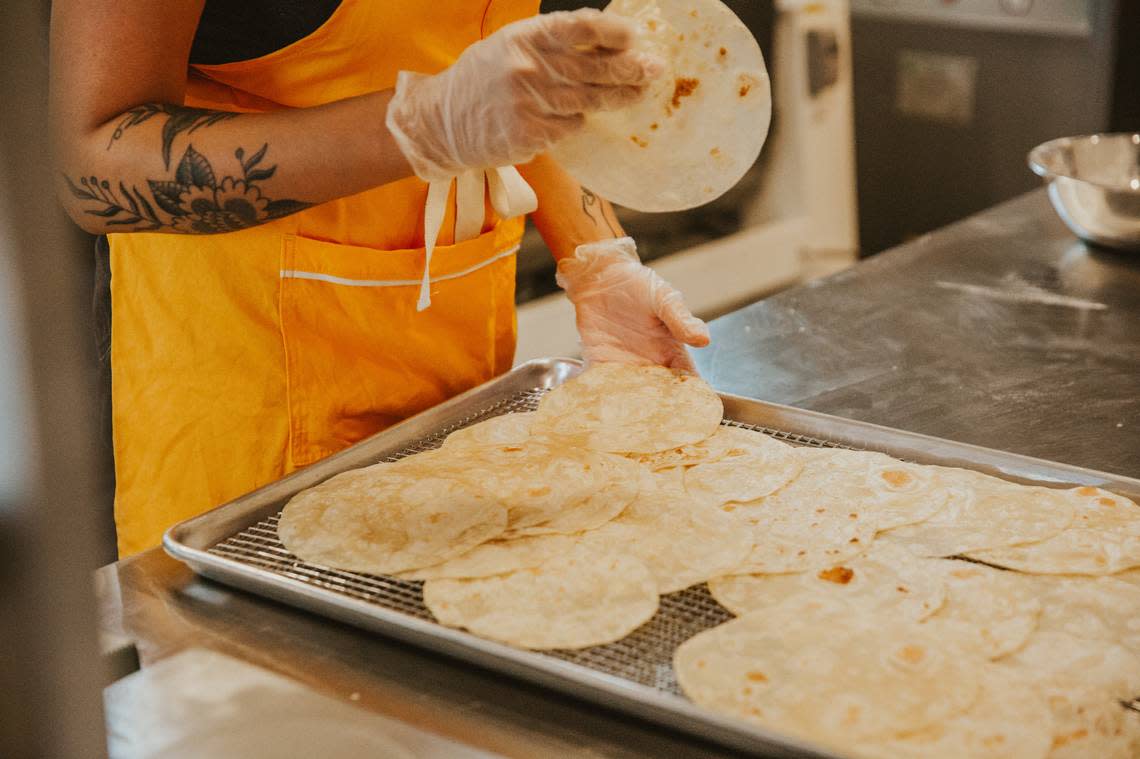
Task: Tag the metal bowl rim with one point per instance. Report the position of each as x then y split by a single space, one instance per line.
1040 169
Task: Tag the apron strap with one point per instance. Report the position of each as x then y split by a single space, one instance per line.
511 196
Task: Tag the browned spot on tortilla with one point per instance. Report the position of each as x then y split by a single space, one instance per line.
693 13
853 540
715 152
722 52
1066 739
757 677
896 478
1106 502
683 86
639 141
744 89
652 24
837 575
1086 490
901 589
653 126
912 654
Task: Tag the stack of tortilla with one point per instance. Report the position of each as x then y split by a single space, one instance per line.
865 620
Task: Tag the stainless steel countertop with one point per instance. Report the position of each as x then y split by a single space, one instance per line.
1001 330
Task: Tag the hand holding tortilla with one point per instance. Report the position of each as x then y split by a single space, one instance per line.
702 123
513 94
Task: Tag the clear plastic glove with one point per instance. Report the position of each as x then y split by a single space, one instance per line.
626 312
512 95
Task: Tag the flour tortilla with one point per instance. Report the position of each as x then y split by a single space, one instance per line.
605 504
808 524
1010 720
886 579
1103 538
545 488
1132 577
996 607
497 557
985 512
1088 722
579 599
682 543
1059 658
389 518
830 673
505 429
1090 608
702 123
631 409
744 466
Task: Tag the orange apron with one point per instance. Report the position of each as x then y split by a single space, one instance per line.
240 357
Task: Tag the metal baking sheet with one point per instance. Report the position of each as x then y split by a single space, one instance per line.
237 544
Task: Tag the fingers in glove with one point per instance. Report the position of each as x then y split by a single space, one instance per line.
584 28
593 67
569 99
681 360
680 320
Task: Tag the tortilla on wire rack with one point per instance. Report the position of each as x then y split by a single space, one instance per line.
832 673
985 512
505 429
389 518
808 524
1010 720
1089 608
743 466
618 408
998 608
545 488
885 579
497 557
1104 538
576 600
682 543
1089 722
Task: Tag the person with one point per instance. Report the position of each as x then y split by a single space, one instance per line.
260 171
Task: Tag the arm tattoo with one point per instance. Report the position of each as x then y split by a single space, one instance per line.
194 201
181 120
590 200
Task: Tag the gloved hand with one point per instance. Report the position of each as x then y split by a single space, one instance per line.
626 312
512 95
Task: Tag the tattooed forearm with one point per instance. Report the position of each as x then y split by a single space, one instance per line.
590 200
181 120
194 201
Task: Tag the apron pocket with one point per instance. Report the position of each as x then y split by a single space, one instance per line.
359 357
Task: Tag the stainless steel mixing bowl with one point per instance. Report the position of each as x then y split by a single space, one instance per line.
1094 183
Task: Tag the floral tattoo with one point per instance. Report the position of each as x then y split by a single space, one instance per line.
181 120
193 202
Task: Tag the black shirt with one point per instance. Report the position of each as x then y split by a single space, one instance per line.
239 30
